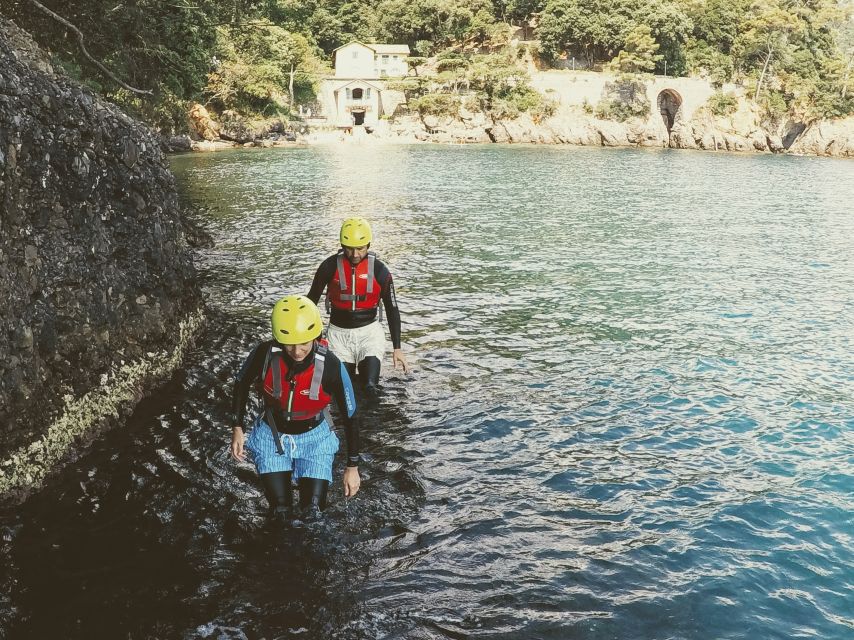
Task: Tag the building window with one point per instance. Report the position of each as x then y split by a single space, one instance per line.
357 94
355 55
349 95
368 92
394 57
385 59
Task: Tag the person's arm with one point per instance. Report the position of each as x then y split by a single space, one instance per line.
322 277
392 314
337 380
249 372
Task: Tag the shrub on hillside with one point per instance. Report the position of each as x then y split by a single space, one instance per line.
722 104
436 104
623 99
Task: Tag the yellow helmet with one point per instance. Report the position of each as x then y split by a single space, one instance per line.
356 232
295 320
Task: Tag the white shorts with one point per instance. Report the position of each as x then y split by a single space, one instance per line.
354 345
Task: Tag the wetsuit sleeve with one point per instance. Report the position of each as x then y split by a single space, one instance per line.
392 313
322 277
249 372
337 380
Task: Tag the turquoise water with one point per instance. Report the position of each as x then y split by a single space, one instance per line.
631 414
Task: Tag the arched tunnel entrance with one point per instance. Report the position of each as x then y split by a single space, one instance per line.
669 106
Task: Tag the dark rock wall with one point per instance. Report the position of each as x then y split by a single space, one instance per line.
94 266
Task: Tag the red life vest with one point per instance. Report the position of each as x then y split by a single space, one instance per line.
297 397
353 288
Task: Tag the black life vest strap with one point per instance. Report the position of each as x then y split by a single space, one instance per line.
271 422
274 359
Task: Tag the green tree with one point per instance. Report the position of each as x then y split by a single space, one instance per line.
639 52
260 69
670 26
517 11
436 104
845 37
717 22
481 27
404 21
593 29
358 21
767 34
500 88
326 30
292 15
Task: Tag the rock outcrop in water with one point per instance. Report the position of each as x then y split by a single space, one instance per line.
704 131
96 277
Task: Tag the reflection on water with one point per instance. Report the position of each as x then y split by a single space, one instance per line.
631 414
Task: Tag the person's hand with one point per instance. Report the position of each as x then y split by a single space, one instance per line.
352 481
236 448
398 358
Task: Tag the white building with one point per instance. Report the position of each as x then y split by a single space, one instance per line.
357 95
357 60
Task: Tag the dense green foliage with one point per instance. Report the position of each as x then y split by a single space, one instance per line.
796 55
251 68
638 52
266 56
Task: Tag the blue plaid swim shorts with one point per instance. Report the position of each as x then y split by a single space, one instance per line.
307 455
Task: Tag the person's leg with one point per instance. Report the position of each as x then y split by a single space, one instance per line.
371 349
277 488
314 467
274 469
312 493
340 343
369 372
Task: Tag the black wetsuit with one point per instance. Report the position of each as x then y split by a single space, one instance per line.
277 485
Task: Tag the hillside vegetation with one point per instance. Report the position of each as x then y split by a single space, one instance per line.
266 57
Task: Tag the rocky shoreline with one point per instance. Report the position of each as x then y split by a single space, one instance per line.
678 116
96 274
823 138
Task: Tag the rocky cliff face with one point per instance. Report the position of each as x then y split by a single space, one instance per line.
96 277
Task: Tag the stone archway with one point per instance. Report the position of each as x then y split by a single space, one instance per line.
669 106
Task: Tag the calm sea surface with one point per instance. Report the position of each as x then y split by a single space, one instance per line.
631 414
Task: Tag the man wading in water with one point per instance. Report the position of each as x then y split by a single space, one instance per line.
357 282
298 377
